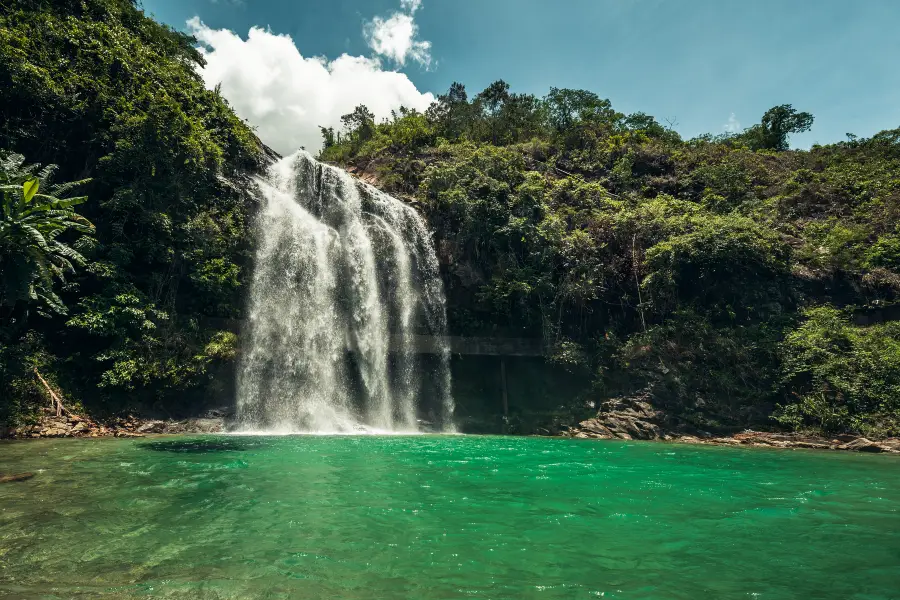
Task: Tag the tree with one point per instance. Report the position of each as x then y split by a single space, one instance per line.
643 122
451 111
31 255
520 118
566 108
493 97
329 136
360 122
776 126
489 105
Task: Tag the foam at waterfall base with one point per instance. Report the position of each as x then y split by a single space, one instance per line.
355 429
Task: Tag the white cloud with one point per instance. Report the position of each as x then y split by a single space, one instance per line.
396 37
733 125
411 6
288 96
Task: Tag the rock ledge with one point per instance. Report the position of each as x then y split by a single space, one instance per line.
51 426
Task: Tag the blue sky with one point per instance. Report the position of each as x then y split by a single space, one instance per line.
695 61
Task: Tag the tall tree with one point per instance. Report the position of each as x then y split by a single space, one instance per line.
360 122
489 104
330 138
777 124
451 112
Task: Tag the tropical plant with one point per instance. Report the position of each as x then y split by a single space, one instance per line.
31 253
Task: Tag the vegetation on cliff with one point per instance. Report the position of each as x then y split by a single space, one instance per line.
724 274
109 95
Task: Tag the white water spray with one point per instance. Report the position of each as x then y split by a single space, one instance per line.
342 271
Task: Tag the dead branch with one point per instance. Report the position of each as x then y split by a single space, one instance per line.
54 397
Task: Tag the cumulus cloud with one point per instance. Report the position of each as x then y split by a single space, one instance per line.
288 96
733 125
396 37
411 6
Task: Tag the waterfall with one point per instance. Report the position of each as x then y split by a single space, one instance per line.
345 277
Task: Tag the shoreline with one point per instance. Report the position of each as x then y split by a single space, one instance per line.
763 439
637 418
214 422
80 426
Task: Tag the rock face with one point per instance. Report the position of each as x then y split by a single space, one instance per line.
628 418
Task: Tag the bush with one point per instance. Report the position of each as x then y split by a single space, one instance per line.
840 377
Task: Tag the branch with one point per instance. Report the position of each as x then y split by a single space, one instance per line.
54 397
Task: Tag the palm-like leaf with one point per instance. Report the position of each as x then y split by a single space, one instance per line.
35 213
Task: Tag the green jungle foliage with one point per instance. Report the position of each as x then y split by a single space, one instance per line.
740 282
32 255
648 262
109 95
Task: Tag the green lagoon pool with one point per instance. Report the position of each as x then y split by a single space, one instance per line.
429 517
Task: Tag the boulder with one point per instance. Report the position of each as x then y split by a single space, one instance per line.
54 432
219 413
625 418
863 445
203 425
811 445
594 426
727 441
152 427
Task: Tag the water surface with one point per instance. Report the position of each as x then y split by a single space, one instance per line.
430 517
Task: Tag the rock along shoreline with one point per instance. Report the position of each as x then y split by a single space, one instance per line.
79 426
632 420
635 418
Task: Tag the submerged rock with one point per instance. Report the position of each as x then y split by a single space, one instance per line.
15 477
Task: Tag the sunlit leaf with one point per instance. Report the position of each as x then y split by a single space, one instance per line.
30 188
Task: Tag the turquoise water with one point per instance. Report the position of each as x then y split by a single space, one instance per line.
433 517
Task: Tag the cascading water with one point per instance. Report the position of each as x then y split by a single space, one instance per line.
345 276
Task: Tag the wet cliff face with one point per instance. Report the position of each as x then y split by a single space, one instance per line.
539 398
